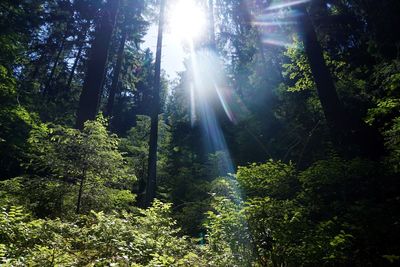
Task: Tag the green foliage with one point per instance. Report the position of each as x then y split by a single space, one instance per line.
306 207
7 85
66 164
386 98
392 136
272 178
298 69
15 124
317 217
227 231
145 238
385 112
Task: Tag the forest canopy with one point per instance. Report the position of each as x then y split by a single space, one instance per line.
277 145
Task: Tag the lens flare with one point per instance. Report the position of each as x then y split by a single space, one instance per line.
187 20
284 4
273 22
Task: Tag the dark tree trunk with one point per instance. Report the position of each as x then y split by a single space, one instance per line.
73 69
155 110
81 43
116 74
92 85
38 65
47 89
346 129
80 192
327 94
141 194
41 60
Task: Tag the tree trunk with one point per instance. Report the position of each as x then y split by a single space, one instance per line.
47 88
76 61
141 193
81 42
40 61
80 192
346 129
152 165
327 94
92 86
116 74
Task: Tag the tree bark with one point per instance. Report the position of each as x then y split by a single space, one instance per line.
346 129
81 43
116 74
326 89
47 88
74 66
80 192
40 61
92 86
152 160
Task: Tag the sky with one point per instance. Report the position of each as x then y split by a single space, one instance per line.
172 52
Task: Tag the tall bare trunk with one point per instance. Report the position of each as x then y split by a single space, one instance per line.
41 60
116 74
346 129
81 44
152 165
80 192
74 66
327 94
47 89
92 86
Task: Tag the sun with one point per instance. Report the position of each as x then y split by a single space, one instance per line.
186 19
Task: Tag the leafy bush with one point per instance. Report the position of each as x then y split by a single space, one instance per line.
228 234
327 215
15 125
144 238
72 171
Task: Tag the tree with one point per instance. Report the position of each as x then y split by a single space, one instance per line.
152 165
92 86
131 27
88 159
346 129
